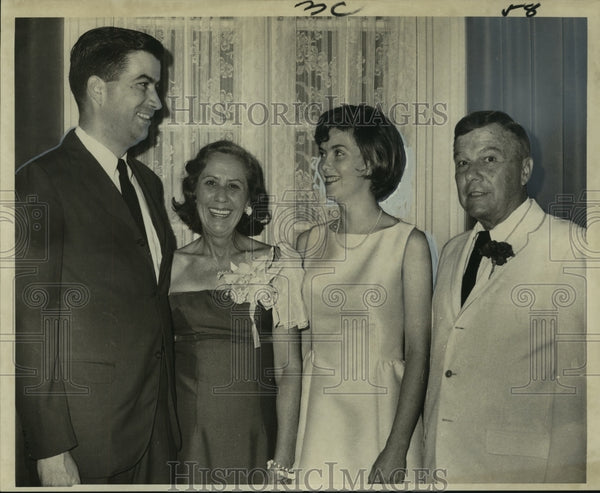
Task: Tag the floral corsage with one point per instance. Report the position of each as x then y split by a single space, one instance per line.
251 283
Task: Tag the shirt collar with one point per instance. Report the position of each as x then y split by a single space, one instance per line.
101 153
502 231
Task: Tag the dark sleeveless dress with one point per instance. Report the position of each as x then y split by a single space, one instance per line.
225 387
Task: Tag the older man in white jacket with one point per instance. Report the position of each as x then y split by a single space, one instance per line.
506 395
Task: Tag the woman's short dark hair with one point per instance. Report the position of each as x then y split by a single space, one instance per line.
103 52
377 138
480 119
257 194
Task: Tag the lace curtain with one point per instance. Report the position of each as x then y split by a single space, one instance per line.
263 82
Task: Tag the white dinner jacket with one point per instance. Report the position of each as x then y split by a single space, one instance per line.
506 399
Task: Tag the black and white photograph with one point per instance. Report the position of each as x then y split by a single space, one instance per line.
299 245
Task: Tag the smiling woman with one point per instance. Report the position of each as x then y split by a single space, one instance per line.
232 301
222 194
368 289
232 167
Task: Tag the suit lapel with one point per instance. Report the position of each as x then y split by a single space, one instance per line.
460 259
155 208
519 238
97 185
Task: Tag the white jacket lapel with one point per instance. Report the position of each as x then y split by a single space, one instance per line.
519 238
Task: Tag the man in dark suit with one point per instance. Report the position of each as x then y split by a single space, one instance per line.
94 380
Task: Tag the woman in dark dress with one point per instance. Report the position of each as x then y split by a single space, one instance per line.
236 310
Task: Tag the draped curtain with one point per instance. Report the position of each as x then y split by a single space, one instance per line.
39 82
263 82
535 69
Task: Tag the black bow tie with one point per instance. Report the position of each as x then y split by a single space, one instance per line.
484 246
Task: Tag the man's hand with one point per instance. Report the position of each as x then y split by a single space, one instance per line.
59 470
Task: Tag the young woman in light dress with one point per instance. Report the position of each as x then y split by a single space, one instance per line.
367 288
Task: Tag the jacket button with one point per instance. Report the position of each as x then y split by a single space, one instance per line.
158 354
141 242
448 373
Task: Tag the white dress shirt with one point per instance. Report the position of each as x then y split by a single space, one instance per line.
109 161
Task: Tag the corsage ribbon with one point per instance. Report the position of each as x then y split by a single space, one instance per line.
251 283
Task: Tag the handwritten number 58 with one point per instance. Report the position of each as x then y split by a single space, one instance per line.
530 9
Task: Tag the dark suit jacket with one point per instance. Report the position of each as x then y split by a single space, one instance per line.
92 321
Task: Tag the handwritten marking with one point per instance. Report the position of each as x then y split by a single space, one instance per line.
323 6
530 8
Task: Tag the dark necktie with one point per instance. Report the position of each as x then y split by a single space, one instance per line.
470 275
130 197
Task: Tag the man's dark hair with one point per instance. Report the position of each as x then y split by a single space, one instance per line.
479 119
377 138
103 52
